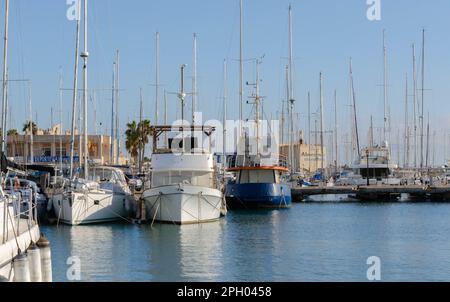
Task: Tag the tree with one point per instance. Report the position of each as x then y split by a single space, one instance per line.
13 132
132 140
144 130
137 137
28 125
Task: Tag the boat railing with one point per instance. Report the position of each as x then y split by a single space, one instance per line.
17 213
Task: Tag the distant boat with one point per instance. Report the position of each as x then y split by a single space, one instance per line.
375 164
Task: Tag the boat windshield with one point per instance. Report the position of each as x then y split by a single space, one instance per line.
106 175
259 176
195 178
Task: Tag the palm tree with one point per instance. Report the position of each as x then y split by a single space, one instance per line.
28 125
132 140
137 137
144 131
13 132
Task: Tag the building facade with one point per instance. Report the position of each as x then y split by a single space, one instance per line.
48 148
306 157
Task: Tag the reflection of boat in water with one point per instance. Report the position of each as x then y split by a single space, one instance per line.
193 252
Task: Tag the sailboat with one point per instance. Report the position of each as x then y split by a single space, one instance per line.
183 188
21 260
84 201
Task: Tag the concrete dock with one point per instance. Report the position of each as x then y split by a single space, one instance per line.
376 192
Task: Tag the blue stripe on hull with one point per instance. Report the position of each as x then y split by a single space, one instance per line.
258 195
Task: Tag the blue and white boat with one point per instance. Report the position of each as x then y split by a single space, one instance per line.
258 187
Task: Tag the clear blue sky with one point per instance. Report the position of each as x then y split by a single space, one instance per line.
326 34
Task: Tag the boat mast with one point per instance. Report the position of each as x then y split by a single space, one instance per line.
182 97
113 136
194 80
30 125
309 130
406 162
371 132
117 133
157 79
5 75
60 119
415 103
423 98
428 141
241 67
140 130
336 131
257 104
385 127
75 91
84 56
322 122
224 124
291 96
354 109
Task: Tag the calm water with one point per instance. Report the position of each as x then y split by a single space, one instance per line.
309 242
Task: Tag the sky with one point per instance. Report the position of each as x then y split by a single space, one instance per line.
326 34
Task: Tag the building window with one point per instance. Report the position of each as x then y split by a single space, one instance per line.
58 152
47 152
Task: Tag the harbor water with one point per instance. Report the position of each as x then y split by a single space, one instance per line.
309 242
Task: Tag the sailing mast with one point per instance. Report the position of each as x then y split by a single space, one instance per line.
406 161
423 99
157 80
140 130
60 118
84 56
352 92
194 80
5 77
30 123
385 127
75 91
322 122
241 67
415 103
257 104
113 91
224 124
309 131
117 134
291 96
371 143
336 132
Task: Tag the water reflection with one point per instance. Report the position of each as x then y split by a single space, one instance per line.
188 252
309 242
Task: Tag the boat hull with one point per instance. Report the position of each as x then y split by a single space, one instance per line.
258 195
76 208
183 204
10 249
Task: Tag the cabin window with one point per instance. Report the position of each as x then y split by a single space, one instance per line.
195 178
257 176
